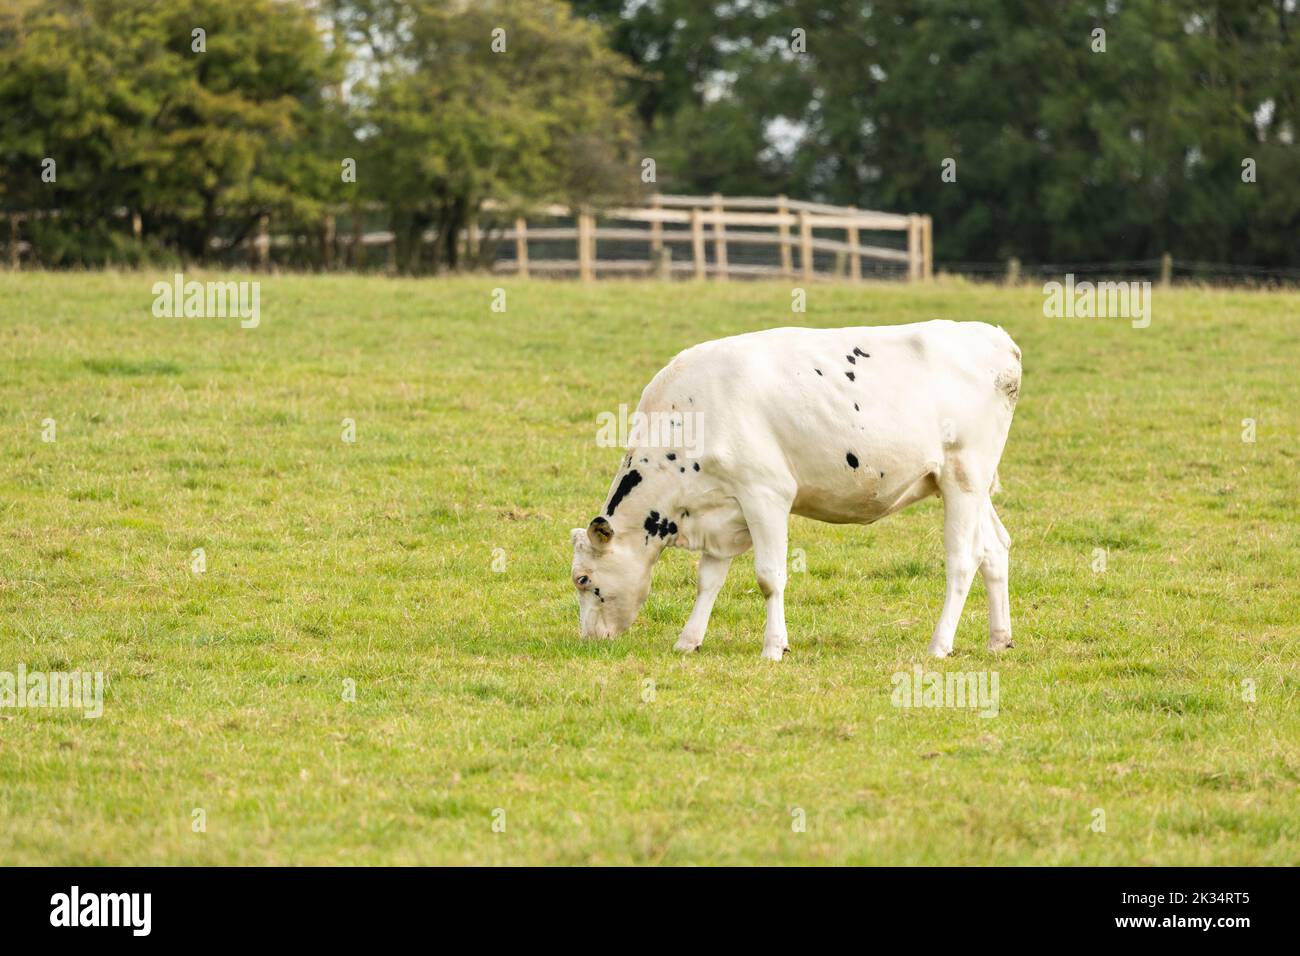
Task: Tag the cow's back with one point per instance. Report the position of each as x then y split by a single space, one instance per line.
844 419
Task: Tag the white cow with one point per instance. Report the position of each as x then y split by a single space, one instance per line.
840 425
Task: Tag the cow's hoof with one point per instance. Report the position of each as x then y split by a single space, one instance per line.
939 651
685 645
1000 642
773 653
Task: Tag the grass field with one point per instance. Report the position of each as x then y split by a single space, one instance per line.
373 562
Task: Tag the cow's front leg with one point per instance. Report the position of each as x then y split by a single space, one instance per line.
713 574
769 522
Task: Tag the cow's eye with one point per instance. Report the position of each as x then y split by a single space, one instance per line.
582 581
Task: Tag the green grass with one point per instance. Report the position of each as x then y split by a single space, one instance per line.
373 562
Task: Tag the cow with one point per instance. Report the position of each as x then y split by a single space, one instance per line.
843 425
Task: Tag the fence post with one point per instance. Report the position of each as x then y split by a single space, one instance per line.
1013 271
719 238
1166 269
927 248
656 228
913 247
697 241
784 228
137 225
13 241
471 242
855 262
358 249
586 246
521 247
805 245
263 242
327 243
663 263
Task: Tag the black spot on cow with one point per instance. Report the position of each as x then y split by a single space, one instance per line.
882 474
672 456
656 527
852 459
855 407
858 351
850 375
630 481
817 370
645 461
852 360
696 466
682 470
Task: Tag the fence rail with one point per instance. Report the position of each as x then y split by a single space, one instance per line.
741 236
717 236
734 236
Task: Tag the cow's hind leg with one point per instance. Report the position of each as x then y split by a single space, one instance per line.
768 518
963 522
997 549
713 574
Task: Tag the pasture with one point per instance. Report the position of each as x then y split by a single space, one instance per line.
425 566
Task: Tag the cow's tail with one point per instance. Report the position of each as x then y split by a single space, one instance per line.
1007 380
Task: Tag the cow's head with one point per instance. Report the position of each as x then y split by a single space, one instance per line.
612 574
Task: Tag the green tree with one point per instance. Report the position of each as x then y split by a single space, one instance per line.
456 104
1062 152
705 89
139 120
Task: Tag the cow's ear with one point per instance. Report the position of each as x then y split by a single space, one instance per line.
600 532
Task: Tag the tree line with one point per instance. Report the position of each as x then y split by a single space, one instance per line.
1075 131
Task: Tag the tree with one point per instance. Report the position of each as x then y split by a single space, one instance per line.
1061 152
457 104
705 89
194 132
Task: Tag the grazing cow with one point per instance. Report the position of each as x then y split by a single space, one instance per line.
840 425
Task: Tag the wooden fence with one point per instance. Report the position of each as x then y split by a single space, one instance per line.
697 236
715 236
